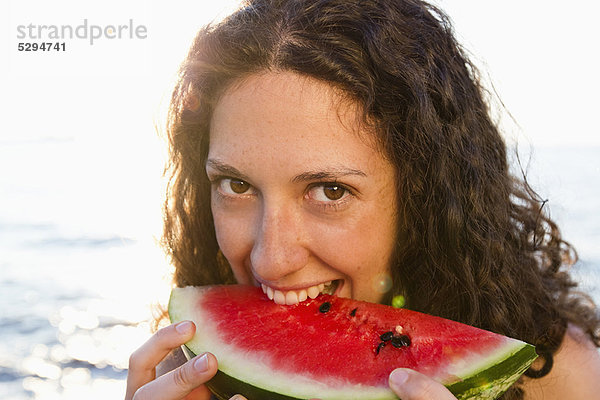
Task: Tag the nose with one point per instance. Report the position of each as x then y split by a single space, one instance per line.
279 249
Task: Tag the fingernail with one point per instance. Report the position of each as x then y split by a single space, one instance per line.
184 327
238 397
201 363
398 377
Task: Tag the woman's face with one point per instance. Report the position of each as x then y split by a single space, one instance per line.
300 195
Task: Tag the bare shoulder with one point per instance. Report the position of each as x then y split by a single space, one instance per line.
173 360
574 374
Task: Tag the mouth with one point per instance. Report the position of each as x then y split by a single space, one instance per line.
291 297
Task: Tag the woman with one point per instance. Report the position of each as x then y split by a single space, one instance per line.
349 141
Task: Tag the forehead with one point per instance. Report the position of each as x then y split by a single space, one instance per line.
289 109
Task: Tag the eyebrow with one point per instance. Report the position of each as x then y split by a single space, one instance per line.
225 169
331 175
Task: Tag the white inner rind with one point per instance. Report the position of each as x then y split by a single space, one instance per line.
253 367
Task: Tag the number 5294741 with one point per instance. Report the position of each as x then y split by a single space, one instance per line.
44 46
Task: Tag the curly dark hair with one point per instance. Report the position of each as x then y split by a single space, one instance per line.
472 236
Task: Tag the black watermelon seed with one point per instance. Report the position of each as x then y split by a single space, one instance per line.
353 312
325 307
405 340
379 347
387 336
400 341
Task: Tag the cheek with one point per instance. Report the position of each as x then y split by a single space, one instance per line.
235 241
362 246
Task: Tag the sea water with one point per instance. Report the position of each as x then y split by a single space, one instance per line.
79 277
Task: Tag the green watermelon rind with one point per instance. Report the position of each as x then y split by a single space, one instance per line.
487 382
490 383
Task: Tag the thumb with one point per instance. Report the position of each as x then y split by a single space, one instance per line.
412 385
180 382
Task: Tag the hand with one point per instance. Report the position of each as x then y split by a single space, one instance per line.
412 385
184 382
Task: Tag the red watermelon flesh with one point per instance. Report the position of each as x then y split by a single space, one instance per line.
337 348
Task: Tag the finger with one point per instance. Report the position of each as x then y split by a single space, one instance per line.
160 344
412 385
180 382
143 361
200 393
238 397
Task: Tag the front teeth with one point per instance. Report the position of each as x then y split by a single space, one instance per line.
292 297
279 297
313 291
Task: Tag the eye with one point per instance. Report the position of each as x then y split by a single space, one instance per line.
334 192
328 192
233 187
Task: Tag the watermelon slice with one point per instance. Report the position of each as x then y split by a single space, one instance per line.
334 348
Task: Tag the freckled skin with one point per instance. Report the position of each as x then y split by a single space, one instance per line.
318 199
